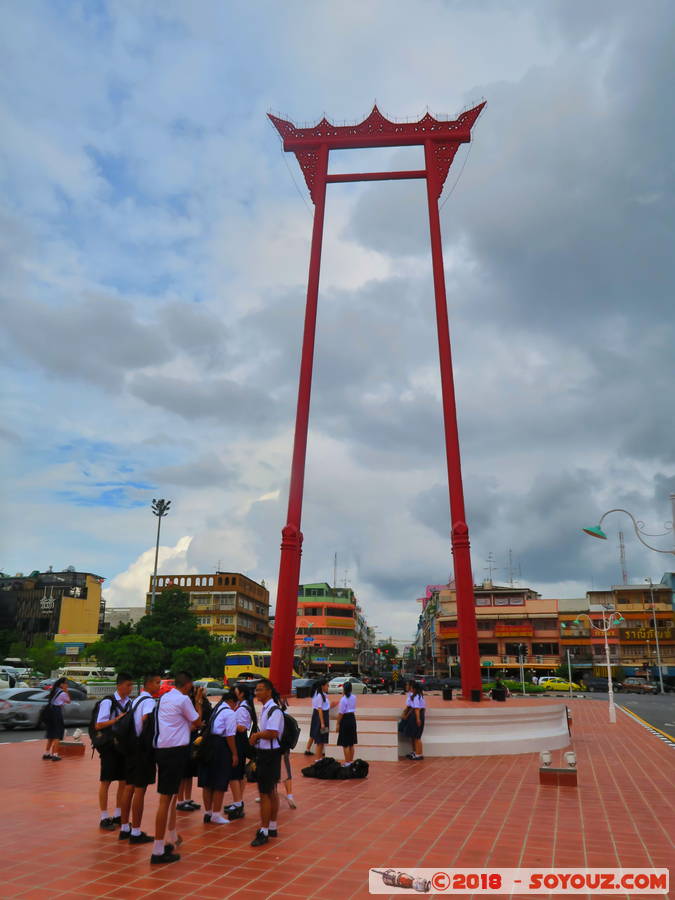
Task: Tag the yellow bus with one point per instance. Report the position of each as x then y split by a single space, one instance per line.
248 664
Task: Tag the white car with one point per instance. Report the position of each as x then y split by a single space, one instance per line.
358 687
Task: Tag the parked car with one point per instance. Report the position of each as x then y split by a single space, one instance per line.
599 684
668 683
382 683
21 707
553 683
634 685
208 683
48 683
358 686
165 685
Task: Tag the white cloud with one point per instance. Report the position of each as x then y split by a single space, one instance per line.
129 588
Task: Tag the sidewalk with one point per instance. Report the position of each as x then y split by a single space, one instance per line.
471 812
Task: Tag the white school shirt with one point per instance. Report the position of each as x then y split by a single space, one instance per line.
272 720
347 704
416 702
318 703
60 698
143 706
243 715
105 709
224 720
175 715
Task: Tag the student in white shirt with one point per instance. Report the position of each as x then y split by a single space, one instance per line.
346 723
111 710
140 765
268 759
319 728
414 721
247 721
53 718
214 776
175 717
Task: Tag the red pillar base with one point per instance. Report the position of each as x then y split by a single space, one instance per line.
283 639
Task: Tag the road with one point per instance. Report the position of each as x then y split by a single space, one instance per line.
657 709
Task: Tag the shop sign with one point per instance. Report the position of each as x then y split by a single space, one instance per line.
47 604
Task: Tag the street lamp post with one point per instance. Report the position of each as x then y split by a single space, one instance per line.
607 625
160 508
597 532
656 633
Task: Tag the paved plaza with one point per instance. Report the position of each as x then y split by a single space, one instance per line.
469 812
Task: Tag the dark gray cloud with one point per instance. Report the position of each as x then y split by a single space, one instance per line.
207 471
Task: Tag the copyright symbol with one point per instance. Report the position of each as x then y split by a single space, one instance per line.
441 881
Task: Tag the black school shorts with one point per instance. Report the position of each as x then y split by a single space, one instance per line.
113 765
171 763
267 770
140 768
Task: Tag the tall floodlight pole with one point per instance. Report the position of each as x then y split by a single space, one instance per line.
440 140
656 633
160 508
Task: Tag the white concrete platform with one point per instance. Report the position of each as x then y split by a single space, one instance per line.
484 730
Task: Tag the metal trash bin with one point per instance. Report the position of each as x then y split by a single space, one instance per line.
476 695
447 693
303 691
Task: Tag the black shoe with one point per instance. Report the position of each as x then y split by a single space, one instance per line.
143 838
272 832
260 839
234 812
207 818
167 857
124 835
309 753
107 824
46 756
183 807
193 805
116 820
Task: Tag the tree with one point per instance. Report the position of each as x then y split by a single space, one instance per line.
173 625
44 655
134 654
217 653
190 659
389 651
8 637
124 629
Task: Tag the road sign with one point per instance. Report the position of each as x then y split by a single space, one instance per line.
487 663
394 668
395 675
308 640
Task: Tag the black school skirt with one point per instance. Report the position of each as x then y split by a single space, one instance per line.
347 736
239 771
218 773
411 729
318 736
55 726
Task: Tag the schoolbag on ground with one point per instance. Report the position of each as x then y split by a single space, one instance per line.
291 733
359 768
101 738
327 769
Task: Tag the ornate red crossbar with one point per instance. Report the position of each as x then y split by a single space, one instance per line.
312 146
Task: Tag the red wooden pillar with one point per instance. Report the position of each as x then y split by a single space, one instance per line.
283 639
466 613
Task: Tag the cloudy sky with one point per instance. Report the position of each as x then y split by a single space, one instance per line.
154 258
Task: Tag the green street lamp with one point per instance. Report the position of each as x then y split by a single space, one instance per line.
607 624
638 526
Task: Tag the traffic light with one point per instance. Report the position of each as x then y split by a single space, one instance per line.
378 651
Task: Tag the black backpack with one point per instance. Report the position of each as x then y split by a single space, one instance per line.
327 769
203 751
291 733
102 738
358 769
124 731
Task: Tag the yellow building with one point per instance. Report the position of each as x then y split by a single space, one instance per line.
228 604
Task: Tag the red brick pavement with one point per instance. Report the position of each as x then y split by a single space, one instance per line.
470 812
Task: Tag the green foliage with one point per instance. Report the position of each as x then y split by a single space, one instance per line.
134 654
172 624
124 629
217 653
44 655
190 659
8 637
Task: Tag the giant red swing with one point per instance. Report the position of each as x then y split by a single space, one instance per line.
312 146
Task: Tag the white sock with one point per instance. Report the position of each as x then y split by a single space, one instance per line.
104 815
118 812
237 803
135 831
126 827
173 836
264 830
217 819
290 796
273 825
208 812
158 848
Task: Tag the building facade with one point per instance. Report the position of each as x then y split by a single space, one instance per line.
231 606
123 615
331 628
66 607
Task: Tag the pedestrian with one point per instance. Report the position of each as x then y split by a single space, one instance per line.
140 763
175 717
268 759
185 803
247 721
53 718
222 759
113 763
535 680
346 723
499 691
415 720
308 748
320 724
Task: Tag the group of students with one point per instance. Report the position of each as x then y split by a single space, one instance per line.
412 720
164 744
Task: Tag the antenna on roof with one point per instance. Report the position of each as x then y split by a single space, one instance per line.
513 570
491 567
622 558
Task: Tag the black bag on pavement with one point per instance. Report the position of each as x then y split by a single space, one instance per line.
359 769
